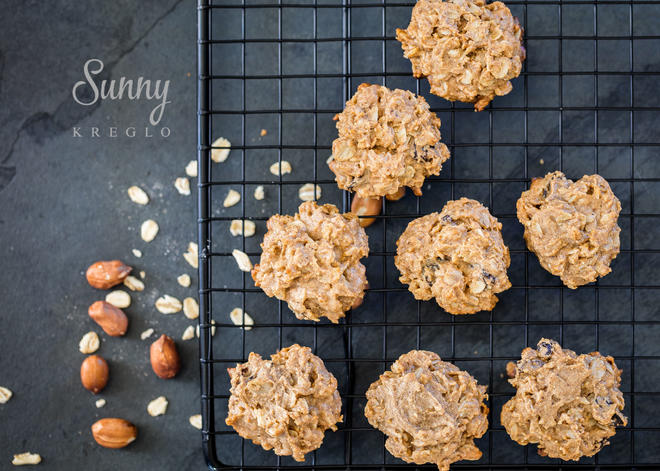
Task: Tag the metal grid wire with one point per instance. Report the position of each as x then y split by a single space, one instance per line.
586 102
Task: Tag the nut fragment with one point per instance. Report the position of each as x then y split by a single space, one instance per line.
114 433
133 283
89 343
191 255
189 333
182 185
149 230
137 252
259 193
164 357
118 298
220 155
190 308
167 304
143 275
94 373
26 458
263 133
106 274
146 334
212 329
366 207
231 199
400 193
280 168
242 260
157 407
242 227
112 320
138 195
236 316
5 395
183 280
196 421
191 168
100 403
306 192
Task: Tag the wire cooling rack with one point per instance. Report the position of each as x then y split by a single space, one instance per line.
272 75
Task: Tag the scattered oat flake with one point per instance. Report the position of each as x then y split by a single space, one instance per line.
212 329
100 403
26 458
183 280
158 406
133 283
242 227
191 168
138 195
167 304
190 308
137 253
118 298
149 230
191 255
306 192
196 421
242 260
5 394
182 185
143 274
89 343
231 199
220 155
263 133
189 333
541 161
259 193
146 334
236 316
280 168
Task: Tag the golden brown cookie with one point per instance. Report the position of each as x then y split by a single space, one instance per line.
430 410
285 403
566 403
571 226
388 140
312 261
456 256
468 50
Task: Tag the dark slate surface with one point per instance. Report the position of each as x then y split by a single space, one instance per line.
64 206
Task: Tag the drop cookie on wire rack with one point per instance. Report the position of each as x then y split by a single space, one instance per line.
286 403
456 256
468 50
568 404
430 410
571 226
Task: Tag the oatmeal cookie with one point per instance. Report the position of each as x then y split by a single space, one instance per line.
566 403
388 140
571 226
285 403
469 51
430 410
457 256
312 261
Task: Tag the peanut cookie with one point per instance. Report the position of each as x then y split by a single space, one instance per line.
430 410
571 226
469 51
456 256
285 403
312 261
566 403
388 139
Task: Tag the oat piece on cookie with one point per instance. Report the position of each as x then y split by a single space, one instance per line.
285 403
468 50
571 226
312 261
388 140
456 256
568 404
430 410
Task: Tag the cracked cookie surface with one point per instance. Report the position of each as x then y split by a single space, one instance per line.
456 256
468 50
568 404
312 261
388 139
430 410
285 403
571 226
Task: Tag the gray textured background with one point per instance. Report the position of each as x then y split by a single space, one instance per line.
63 205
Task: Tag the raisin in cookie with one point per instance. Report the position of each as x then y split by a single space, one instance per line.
566 403
469 51
388 140
285 403
456 256
430 410
571 226
312 261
